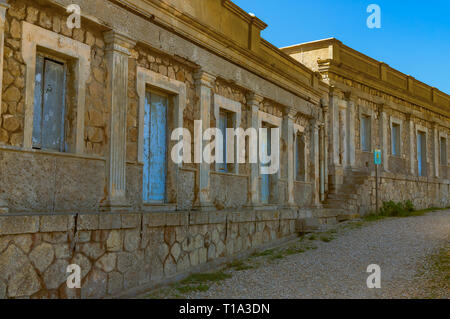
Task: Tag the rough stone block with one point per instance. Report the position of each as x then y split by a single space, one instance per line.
12 225
58 223
155 219
110 221
88 222
131 220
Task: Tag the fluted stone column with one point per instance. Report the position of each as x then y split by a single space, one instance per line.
382 118
117 54
350 130
322 160
288 154
253 102
326 111
411 145
435 150
203 83
3 8
334 130
314 153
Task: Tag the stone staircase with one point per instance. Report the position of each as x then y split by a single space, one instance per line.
345 199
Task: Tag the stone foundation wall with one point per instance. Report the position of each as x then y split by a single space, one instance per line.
422 193
120 252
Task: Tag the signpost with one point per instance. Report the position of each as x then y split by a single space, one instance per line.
377 161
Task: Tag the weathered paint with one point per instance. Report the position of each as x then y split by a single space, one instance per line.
155 148
421 153
265 178
365 133
300 160
223 124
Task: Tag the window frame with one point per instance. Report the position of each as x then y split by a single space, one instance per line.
63 148
36 39
369 137
424 130
397 123
443 156
234 110
300 136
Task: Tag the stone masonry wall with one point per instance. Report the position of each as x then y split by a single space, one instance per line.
120 252
13 108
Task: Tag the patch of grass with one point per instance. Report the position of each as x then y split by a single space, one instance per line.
277 256
326 239
195 288
293 251
239 265
208 277
400 209
373 217
312 237
263 253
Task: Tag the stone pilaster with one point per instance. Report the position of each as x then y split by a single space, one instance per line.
350 130
326 113
411 145
117 54
322 161
435 148
203 83
382 118
334 130
314 160
3 8
253 102
288 154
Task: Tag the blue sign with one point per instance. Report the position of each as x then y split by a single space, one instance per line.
377 157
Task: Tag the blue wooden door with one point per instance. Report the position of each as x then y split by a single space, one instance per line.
265 178
155 148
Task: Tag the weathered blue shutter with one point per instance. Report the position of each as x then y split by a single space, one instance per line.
37 113
48 117
223 121
53 107
155 148
365 133
395 139
443 152
419 153
422 154
265 178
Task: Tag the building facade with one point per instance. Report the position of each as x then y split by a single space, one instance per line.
373 106
88 124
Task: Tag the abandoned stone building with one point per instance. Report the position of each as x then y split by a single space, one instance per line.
86 119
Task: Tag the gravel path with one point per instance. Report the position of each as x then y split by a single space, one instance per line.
337 269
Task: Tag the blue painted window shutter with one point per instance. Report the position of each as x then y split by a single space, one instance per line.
49 105
155 148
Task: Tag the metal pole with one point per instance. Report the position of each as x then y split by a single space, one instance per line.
376 186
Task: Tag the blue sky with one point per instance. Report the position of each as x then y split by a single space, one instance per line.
414 37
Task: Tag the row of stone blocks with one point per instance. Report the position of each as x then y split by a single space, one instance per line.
121 252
